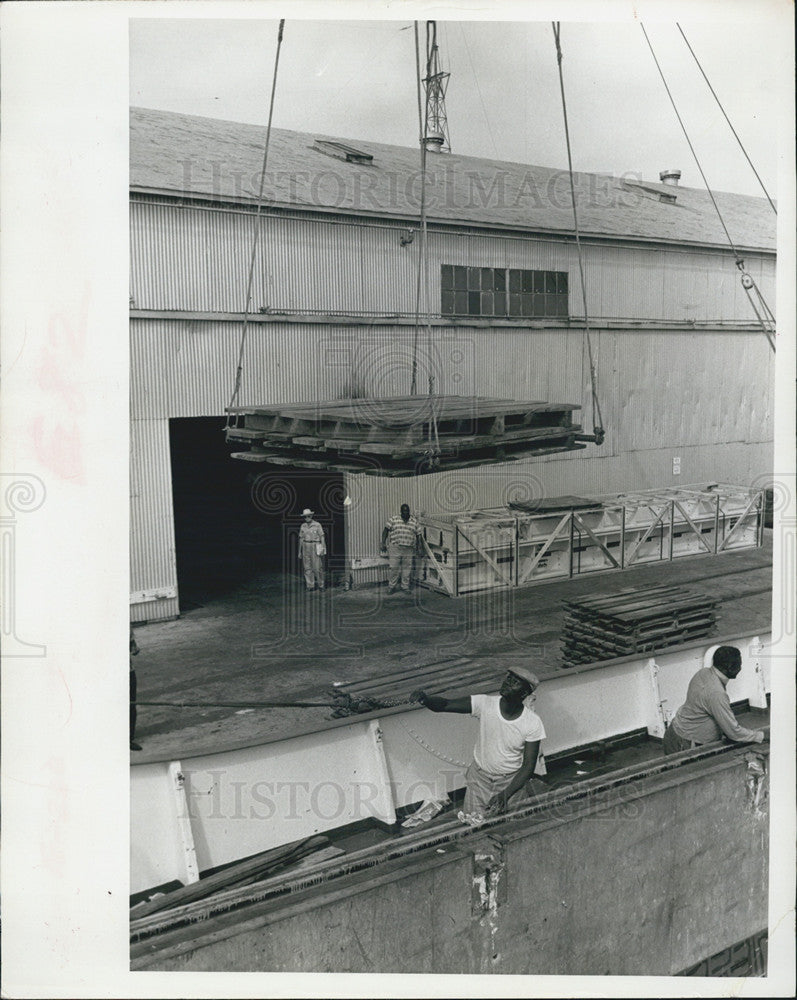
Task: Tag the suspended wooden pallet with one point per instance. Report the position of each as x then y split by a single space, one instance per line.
634 621
559 538
402 435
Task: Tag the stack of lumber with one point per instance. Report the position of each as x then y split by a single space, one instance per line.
241 873
397 435
450 674
634 621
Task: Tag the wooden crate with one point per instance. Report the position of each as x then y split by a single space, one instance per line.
573 536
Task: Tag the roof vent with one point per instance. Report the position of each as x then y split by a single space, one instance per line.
341 151
670 177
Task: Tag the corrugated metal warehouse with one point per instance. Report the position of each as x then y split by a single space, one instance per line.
683 369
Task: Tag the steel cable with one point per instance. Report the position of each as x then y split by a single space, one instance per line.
597 420
256 228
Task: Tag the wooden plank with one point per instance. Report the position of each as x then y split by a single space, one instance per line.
497 569
591 644
414 465
250 456
587 629
254 867
628 607
502 448
620 596
403 411
243 434
400 675
635 618
524 572
449 590
468 442
599 636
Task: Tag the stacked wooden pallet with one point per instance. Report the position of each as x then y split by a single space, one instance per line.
401 434
634 621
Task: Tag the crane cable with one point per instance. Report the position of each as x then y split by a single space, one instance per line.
727 119
433 448
748 282
414 380
597 420
257 225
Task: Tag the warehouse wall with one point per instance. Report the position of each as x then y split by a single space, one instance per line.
705 397
610 888
186 257
153 568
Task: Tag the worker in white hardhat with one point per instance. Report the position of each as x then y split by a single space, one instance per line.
312 549
507 752
706 715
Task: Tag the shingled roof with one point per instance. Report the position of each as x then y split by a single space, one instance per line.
190 156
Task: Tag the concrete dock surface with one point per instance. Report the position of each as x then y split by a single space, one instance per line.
270 640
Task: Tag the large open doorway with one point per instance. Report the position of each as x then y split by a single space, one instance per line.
236 521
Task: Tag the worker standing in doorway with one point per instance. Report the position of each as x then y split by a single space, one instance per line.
312 549
507 751
400 540
707 714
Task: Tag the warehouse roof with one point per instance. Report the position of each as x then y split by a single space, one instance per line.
206 158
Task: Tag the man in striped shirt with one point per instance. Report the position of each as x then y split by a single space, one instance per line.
400 539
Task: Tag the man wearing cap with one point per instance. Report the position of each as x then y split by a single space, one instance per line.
707 714
507 751
400 540
312 549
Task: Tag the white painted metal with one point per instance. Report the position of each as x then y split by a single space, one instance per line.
184 822
244 801
657 723
759 684
157 853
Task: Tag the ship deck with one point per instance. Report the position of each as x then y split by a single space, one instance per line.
271 641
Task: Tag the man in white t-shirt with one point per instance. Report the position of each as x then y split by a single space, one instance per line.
507 751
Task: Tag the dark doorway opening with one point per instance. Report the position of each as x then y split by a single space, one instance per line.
236 521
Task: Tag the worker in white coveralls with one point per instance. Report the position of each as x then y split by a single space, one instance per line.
507 752
312 549
707 714
400 540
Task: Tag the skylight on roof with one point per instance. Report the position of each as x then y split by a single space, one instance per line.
341 151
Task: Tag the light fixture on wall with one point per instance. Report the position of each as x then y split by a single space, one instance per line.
407 237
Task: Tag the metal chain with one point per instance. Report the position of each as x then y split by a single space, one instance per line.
431 749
